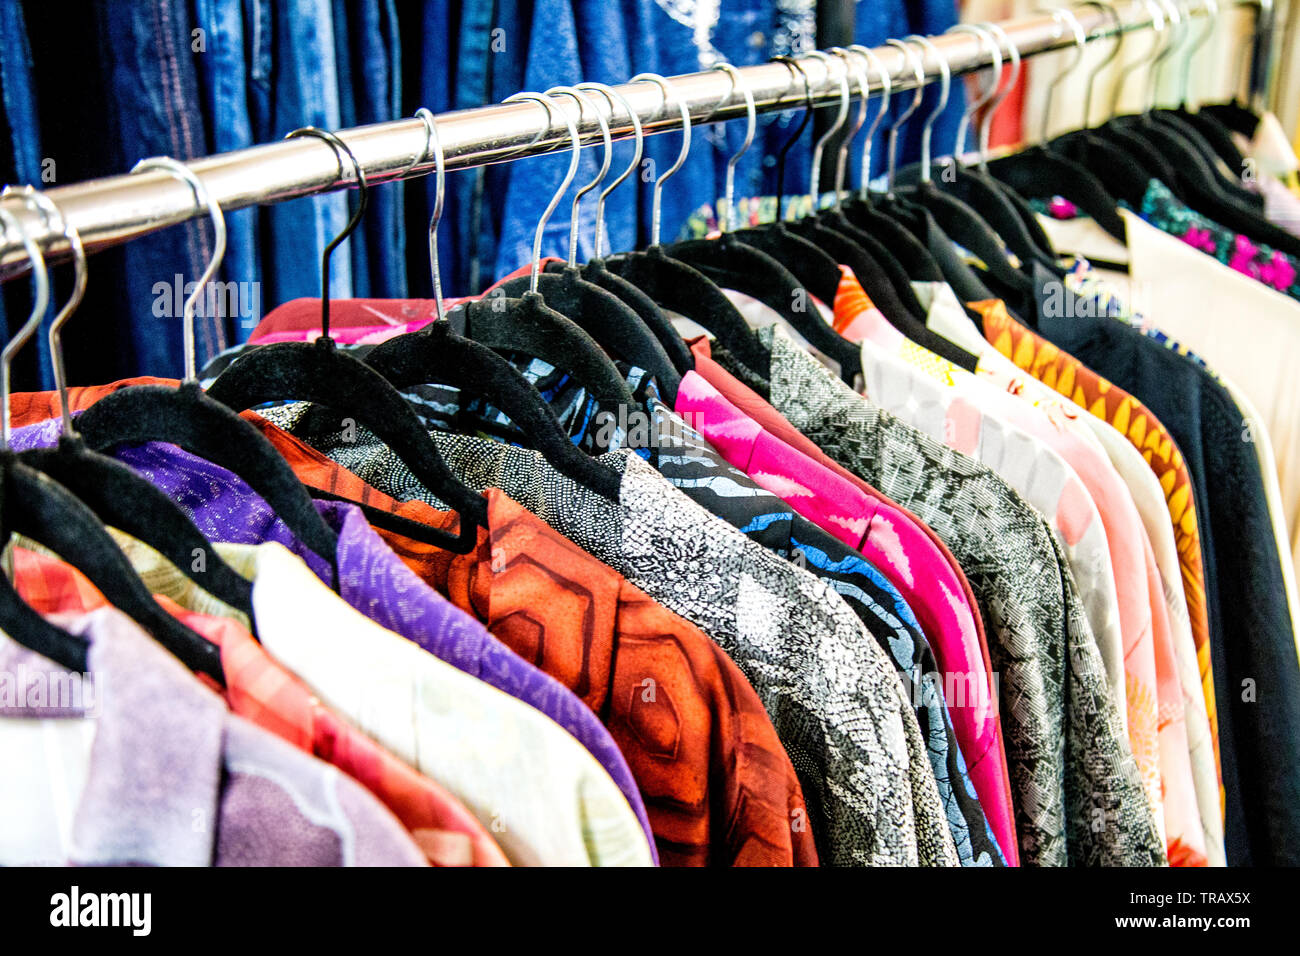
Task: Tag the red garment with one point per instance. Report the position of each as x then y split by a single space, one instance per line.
261 691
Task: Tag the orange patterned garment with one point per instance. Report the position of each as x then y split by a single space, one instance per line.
265 693
1071 378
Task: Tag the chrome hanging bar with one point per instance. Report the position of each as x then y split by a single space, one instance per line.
115 209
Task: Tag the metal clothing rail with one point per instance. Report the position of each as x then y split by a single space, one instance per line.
115 209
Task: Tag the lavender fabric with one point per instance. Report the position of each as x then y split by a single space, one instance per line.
176 779
373 580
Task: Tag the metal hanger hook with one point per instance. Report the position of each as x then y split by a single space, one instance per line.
1080 41
794 65
203 198
945 87
1109 10
814 179
726 215
670 94
1178 32
1211 8
986 123
886 91
995 53
918 68
614 96
40 303
341 149
432 140
1158 26
55 219
580 98
864 93
574 155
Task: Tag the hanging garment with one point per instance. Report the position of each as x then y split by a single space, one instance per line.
1247 604
165 775
868 784
1191 300
960 647
1027 593
264 693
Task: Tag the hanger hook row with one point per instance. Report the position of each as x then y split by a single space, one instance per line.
886 91
864 94
580 98
52 214
918 69
40 303
726 215
614 96
670 95
995 54
815 174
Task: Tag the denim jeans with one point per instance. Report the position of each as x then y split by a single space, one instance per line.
237 57
304 90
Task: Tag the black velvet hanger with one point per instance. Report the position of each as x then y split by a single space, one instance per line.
188 418
1215 134
529 326
612 325
675 286
734 264
1235 115
1036 173
124 500
881 275
318 372
1179 121
34 505
965 282
647 311
1189 164
905 247
436 354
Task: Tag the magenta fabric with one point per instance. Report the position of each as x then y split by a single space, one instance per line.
894 545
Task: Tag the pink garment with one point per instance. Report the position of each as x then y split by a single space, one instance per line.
1125 538
894 545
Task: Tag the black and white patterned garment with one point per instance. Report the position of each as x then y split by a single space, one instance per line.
690 463
833 695
1075 784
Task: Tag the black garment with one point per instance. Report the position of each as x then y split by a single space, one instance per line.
1252 644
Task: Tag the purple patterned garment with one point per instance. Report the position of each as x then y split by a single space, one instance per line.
373 580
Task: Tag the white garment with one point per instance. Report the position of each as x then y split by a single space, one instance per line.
1244 330
545 800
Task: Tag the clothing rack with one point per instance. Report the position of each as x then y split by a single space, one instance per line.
115 209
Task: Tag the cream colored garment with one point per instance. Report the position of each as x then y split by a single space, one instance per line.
545 800
1082 236
1244 330
1148 497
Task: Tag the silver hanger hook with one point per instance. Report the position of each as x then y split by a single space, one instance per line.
985 35
431 139
203 199
914 61
575 150
1158 26
814 179
580 97
864 94
1109 10
1080 41
1211 8
1177 33
727 212
986 124
945 87
55 219
614 96
886 90
670 94
40 302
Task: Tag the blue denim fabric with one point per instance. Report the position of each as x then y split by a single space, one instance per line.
369 76
304 90
18 98
226 72
154 108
